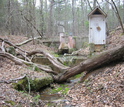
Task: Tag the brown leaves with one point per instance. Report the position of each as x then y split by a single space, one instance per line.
105 89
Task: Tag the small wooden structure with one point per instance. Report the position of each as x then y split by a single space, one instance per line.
97 28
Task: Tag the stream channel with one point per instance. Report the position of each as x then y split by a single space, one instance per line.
55 95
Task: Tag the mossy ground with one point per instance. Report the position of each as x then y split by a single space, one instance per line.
32 84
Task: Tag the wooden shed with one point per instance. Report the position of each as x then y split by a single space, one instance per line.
97 27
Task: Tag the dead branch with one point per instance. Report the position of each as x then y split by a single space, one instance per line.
23 56
13 80
32 25
23 62
89 5
27 41
114 8
3 46
11 44
52 59
119 18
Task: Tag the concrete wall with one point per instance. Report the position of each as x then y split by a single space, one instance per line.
80 42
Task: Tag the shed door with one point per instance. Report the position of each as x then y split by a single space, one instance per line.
97 30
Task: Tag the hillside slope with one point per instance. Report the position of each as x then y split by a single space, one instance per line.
104 88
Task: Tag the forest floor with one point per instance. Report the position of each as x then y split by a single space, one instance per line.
104 88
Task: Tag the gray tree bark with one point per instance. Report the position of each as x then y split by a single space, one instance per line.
93 63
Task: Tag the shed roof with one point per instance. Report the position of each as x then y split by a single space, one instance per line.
97 11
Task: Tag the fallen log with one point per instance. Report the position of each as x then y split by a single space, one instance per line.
87 65
52 59
27 41
11 44
23 62
12 48
93 63
55 63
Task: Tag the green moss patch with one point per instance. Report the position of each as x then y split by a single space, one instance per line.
32 83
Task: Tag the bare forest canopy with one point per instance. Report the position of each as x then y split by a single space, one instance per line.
25 17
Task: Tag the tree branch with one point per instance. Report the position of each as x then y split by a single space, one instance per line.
3 46
11 44
23 62
12 80
114 7
32 24
52 59
119 18
89 4
27 41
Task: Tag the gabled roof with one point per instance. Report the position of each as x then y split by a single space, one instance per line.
97 11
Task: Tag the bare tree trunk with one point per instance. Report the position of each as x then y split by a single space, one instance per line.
46 18
52 3
89 4
114 7
94 3
28 21
9 20
98 3
117 13
33 19
73 15
123 10
42 18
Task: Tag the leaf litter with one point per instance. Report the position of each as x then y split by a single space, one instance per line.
101 89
